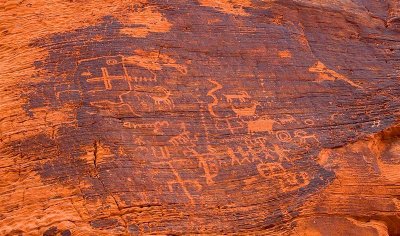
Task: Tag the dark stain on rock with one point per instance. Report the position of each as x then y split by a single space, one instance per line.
66 232
104 223
52 231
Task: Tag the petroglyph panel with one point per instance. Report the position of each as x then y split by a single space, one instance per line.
171 117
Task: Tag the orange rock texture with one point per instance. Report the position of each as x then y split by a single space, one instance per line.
245 117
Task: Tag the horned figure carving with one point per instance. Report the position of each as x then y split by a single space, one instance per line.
160 95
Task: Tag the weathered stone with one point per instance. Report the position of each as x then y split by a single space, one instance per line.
200 117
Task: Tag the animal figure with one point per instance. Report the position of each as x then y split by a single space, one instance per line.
326 74
160 95
263 124
163 98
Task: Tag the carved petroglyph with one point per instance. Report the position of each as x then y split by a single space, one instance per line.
246 111
143 98
285 54
208 173
256 150
283 136
268 169
249 155
186 154
121 70
210 93
269 152
184 184
180 139
326 74
86 73
236 7
139 141
309 122
263 124
261 149
287 119
183 138
286 179
245 157
113 77
160 95
67 92
163 151
105 77
304 136
72 92
293 181
154 61
232 124
111 62
129 80
156 126
249 109
233 157
163 98
145 125
282 157
115 107
242 96
376 123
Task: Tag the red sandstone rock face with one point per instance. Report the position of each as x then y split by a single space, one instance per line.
200 117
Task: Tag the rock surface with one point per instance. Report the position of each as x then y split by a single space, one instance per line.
275 117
